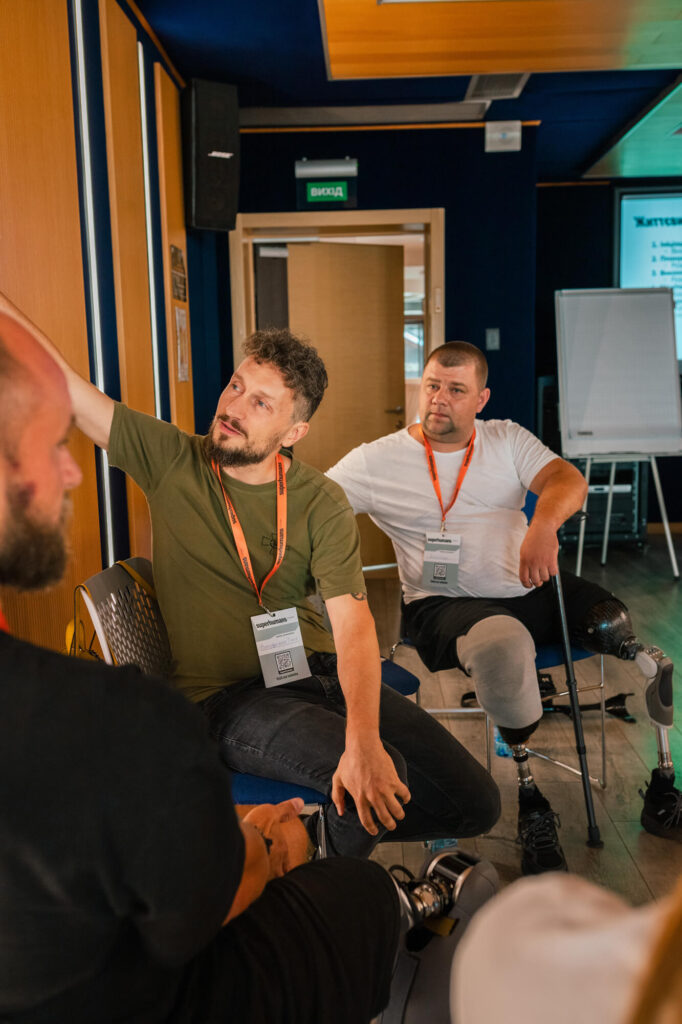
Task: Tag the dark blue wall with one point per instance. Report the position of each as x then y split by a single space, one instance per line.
208 268
574 250
489 201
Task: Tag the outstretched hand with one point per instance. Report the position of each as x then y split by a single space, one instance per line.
368 774
539 555
281 824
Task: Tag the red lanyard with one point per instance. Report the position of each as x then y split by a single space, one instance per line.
4 624
433 473
238 533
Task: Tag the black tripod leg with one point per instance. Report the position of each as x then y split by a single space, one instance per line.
593 837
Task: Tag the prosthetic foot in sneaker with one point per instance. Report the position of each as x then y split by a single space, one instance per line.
662 811
538 825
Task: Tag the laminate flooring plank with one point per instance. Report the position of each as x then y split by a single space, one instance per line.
659 860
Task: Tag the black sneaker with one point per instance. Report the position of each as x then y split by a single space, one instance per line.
662 811
538 825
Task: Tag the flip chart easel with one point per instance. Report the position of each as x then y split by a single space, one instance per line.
619 394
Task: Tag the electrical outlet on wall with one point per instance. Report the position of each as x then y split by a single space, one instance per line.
492 339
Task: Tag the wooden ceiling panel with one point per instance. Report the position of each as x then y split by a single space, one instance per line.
366 39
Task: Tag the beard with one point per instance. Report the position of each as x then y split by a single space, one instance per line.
248 455
33 554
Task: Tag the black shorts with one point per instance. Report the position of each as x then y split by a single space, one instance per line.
433 624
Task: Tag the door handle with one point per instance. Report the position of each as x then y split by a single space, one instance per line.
398 408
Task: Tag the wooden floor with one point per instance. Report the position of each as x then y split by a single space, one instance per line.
632 862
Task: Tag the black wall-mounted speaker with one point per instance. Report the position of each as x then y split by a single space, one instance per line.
210 129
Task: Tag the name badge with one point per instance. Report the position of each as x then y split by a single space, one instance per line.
280 647
441 559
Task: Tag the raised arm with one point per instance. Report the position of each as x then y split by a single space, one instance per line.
93 410
561 491
365 770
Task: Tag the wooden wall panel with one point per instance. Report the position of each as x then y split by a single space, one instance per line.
40 253
173 235
129 235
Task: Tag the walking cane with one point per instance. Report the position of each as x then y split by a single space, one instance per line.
593 837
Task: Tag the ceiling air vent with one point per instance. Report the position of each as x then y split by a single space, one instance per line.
496 87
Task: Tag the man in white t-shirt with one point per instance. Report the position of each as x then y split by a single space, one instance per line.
449 492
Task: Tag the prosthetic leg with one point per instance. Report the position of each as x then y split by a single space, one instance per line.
435 909
607 629
537 821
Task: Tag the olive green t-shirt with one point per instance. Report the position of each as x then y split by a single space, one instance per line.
204 595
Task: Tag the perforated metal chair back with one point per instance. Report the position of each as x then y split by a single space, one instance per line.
126 617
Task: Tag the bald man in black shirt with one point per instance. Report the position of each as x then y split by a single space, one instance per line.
129 889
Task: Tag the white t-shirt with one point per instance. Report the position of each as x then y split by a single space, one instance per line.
389 479
554 948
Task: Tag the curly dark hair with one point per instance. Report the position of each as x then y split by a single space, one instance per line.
296 360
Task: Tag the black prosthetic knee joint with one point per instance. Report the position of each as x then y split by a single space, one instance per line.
607 629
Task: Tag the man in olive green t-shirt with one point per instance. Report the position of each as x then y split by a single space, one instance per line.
243 535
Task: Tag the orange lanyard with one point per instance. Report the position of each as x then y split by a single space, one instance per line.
238 533
433 473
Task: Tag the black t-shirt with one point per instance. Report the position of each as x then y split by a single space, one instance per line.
120 851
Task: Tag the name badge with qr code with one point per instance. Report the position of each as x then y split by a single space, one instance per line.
441 559
280 647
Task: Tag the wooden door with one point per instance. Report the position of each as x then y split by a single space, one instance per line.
347 299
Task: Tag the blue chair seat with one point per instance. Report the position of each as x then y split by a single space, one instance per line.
549 655
253 789
398 678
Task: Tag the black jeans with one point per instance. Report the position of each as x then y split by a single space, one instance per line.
296 733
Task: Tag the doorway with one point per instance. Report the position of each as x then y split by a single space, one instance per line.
367 289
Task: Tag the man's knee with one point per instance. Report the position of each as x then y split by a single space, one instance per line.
499 655
488 805
495 643
398 760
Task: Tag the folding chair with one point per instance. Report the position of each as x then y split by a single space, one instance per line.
127 621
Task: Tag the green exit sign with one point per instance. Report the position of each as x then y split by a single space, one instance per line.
327 191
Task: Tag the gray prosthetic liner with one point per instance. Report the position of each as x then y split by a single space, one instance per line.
607 629
499 655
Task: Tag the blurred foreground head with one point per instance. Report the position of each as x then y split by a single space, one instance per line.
36 468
